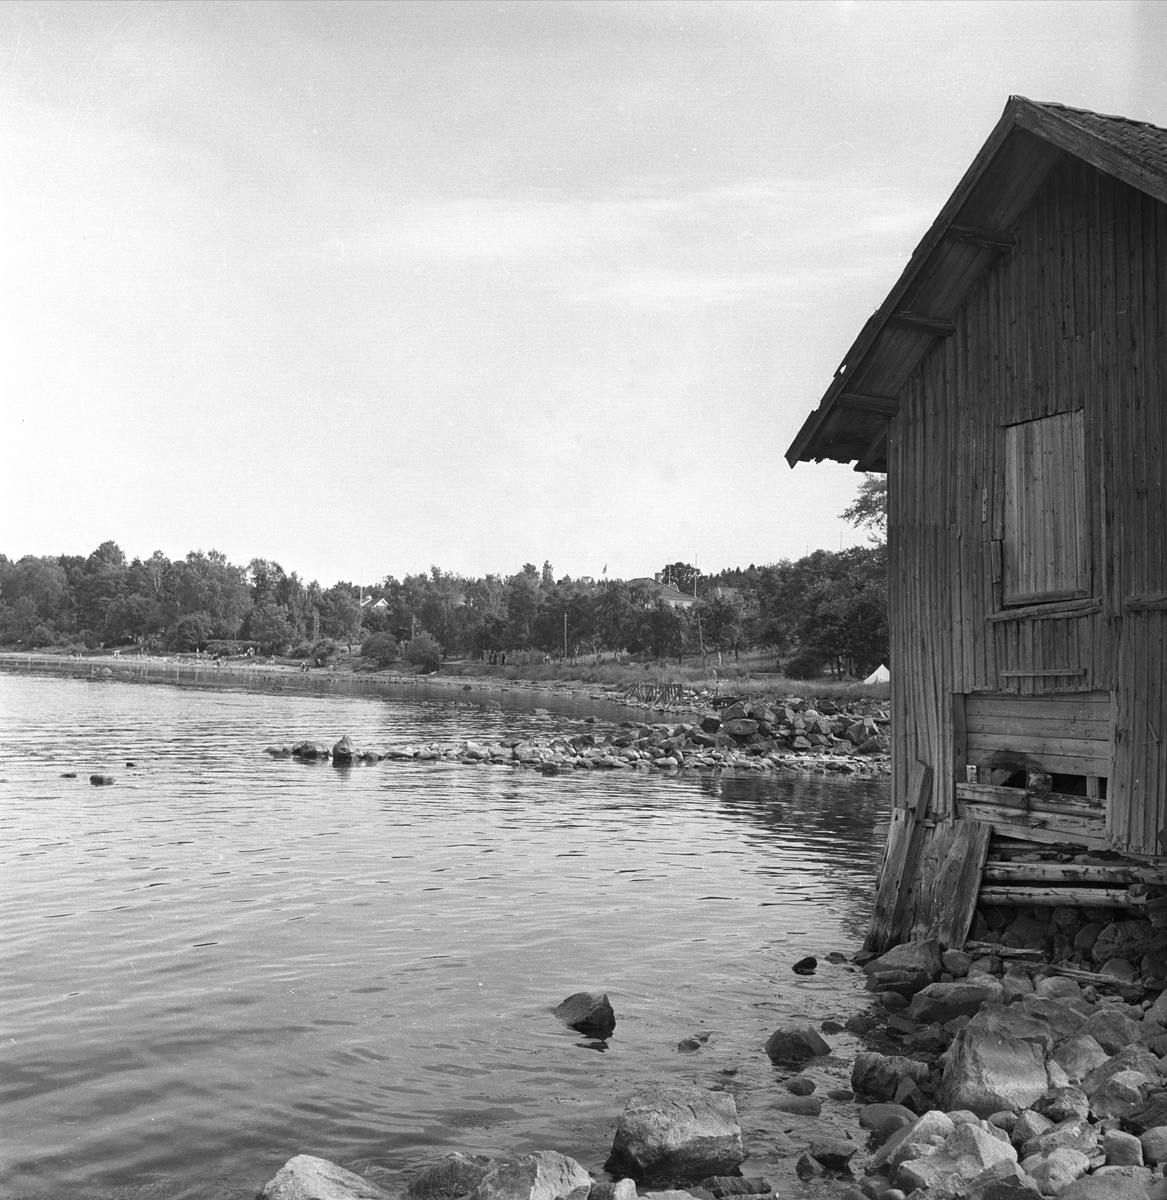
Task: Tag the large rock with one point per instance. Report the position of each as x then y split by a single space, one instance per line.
965 1154
943 1002
589 1013
1060 1015
1151 1115
1158 1011
832 1152
449 1178
1058 1169
309 750
543 1176
796 1044
344 751
1122 1149
880 1075
740 727
1078 1056
906 968
1106 1187
885 1118
932 1130
1074 1134
1015 1022
307 1178
1123 1093
1128 939
987 1072
676 1134
1004 1180
1154 1143
1111 1030
1062 1104
1129 1058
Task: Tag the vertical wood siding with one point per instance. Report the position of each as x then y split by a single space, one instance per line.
1071 321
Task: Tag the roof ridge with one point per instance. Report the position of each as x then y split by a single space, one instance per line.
1055 105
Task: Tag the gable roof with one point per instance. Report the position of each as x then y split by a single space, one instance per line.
850 423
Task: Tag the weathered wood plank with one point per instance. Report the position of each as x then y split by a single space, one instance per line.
1083 729
987 793
954 897
1055 897
919 792
1038 827
1088 705
997 871
891 879
1055 610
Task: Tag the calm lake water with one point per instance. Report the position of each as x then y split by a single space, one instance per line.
224 960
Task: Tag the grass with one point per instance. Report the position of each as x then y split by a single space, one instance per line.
747 678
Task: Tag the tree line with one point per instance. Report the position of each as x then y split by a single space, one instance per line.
824 611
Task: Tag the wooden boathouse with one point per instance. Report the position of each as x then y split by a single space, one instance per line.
1013 386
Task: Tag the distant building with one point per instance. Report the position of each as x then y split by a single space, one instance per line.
663 591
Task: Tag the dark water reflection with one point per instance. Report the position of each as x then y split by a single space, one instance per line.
224 960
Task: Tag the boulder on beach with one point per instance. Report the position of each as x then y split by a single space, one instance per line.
987 1072
944 1001
100 780
676 1134
881 1075
907 968
449 1178
965 1154
589 1013
546 1175
308 1178
796 1043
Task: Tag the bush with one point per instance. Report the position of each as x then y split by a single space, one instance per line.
319 654
423 651
191 633
803 666
381 648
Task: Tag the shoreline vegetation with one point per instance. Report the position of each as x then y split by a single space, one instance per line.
823 616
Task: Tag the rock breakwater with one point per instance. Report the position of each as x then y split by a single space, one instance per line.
743 737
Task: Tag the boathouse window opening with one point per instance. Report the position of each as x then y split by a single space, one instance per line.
1046 542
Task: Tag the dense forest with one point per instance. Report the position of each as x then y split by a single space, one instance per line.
826 611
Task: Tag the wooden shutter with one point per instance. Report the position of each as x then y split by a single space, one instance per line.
1046 536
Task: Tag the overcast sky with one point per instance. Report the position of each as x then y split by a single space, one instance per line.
368 287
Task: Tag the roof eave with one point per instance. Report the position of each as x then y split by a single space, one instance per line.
1055 128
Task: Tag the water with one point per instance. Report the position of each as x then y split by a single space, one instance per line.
224 959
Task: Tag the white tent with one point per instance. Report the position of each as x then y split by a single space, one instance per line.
880 675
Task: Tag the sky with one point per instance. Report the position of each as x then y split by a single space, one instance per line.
368 287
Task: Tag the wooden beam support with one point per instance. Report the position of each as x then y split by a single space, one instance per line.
987 238
1155 603
886 405
1107 874
919 323
1055 897
875 454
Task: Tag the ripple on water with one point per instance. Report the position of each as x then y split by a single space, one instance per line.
225 958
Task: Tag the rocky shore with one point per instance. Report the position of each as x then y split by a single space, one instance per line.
743 737
988 1075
